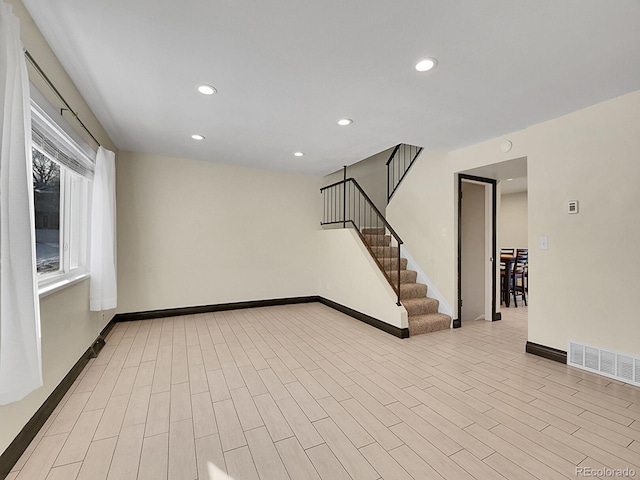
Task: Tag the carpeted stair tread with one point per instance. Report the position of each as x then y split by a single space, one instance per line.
406 276
374 240
374 231
428 323
412 290
390 263
420 306
384 251
422 311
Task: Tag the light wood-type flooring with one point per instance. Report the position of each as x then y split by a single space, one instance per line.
305 392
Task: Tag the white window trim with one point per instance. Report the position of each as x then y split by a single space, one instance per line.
52 282
60 282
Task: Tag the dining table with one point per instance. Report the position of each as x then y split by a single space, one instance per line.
508 261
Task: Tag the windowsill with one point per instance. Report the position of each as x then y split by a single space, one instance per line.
57 285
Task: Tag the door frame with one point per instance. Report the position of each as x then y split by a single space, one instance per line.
494 244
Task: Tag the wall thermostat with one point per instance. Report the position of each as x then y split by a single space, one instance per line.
573 206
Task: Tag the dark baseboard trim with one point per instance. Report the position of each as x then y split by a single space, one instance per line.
546 352
374 322
16 448
457 323
19 444
175 312
105 331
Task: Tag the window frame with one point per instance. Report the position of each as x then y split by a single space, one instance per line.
75 201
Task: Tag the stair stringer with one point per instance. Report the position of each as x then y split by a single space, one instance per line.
432 291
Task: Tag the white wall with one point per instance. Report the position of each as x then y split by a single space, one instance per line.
579 288
194 232
514 220
371 175
422 212
68 327
349 276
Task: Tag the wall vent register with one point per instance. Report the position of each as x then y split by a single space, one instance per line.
623 367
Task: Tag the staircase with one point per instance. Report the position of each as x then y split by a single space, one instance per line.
422 310
346 205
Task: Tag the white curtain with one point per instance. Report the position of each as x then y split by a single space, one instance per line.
104 294
20 358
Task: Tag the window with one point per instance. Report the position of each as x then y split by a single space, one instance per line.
46 198
62 178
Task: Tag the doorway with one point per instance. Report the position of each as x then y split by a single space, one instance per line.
477 244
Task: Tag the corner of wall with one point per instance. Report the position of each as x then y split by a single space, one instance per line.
349 276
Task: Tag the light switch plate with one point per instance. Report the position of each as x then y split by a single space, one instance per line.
544 243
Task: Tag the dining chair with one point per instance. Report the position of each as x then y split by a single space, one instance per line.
505 251
504 289
518 285
524 253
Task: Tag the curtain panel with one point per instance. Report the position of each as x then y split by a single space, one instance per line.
20 355
103 289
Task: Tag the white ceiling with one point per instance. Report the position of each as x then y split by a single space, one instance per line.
511 174
287 70
517 185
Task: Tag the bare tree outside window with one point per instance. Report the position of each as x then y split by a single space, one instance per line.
46 193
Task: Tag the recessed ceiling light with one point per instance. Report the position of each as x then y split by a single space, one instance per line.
426 64
206 89
197 137
299 154
345 121
509 179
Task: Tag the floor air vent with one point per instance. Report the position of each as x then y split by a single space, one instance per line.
605 362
